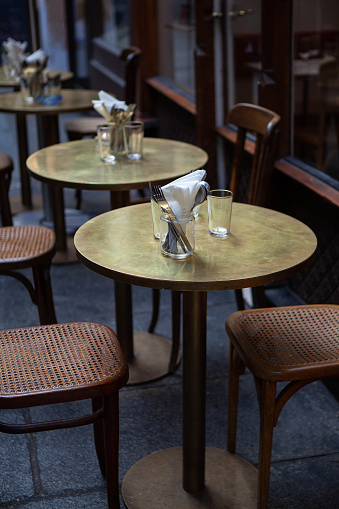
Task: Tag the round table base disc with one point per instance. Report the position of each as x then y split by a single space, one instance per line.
68 256
151 359
156 481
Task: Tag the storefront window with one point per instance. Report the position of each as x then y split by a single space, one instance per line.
316 84
116 20
243 50
176 40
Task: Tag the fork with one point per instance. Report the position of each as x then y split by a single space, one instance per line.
173 235
159 197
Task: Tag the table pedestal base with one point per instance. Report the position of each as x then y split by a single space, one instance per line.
151 358
156 481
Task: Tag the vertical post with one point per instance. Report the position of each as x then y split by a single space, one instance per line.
194 390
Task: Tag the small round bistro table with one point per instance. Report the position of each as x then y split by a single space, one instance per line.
14 83
264 246
48 130
77 165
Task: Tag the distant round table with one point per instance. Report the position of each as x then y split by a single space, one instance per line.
48 130
14 83
264 246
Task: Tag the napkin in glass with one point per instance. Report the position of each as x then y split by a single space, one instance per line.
31 76
14 53
117 113
183 195
112 109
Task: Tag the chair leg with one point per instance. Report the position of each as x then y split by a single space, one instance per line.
155 315
266 395
259 298
44 295
111 433
99 440
240 300
5 208
176 322
78 198
236 368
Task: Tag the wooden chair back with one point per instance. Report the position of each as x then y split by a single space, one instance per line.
263 124
6 168
131 58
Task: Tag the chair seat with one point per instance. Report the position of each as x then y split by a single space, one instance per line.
66 361
25 246
81 127
288 343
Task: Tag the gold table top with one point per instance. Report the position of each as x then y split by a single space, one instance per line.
72 100
264 246
76 164
10 82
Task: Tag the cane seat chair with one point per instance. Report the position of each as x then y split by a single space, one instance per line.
30 247
62 363
251 182
296 344
6 168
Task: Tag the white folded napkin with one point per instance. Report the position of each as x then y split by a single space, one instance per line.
15 52
184 193
38 57
112 109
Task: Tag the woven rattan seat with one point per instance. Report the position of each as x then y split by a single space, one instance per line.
61 363
297 344
32 247
6 168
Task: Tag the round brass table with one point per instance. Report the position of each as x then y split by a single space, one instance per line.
48 131
10 82
264 246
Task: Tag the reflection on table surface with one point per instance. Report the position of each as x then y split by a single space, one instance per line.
14 82
72 100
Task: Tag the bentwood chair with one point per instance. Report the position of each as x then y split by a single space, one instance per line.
6 168
87 127
296 344
250 182
63 363
26 247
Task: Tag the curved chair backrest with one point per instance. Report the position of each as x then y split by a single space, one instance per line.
262 123
6 168
131 57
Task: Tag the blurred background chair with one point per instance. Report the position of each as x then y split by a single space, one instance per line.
6 168
63 363
297 344
26 247
86 127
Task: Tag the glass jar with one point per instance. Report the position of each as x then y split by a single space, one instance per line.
171 245
117 139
